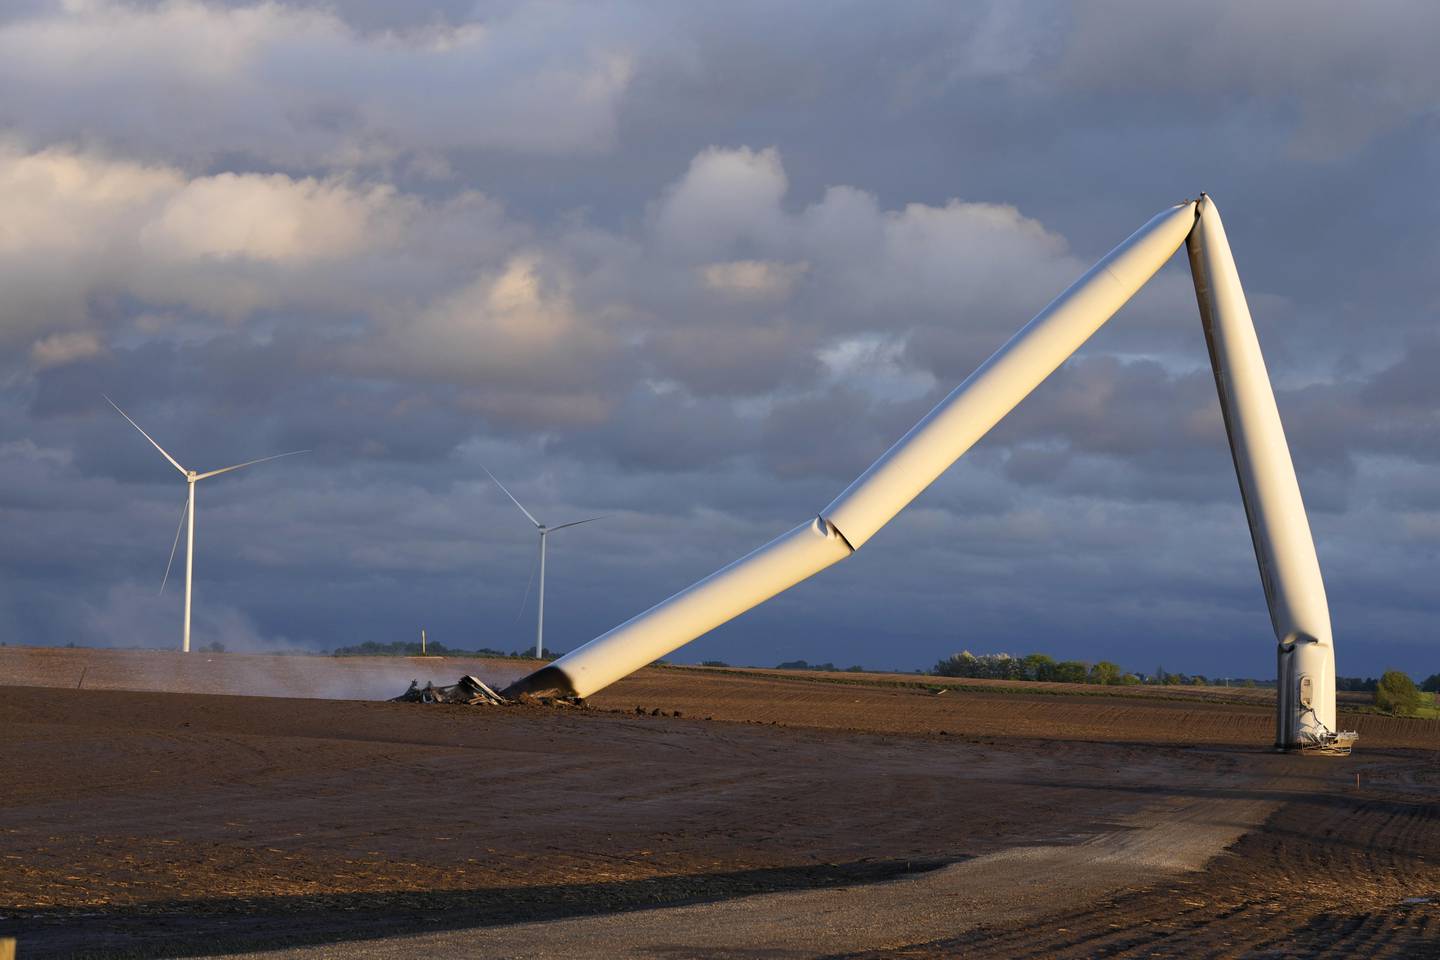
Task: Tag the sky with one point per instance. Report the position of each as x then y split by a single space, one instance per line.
694 267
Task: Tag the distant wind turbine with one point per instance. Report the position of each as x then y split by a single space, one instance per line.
544 531
191 477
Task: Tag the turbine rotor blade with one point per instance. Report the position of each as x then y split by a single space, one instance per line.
247 463
576 523
175 463
184 509
510 495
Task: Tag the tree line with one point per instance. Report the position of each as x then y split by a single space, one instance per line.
1042 667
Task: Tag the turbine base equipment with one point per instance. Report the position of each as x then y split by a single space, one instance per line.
1279 530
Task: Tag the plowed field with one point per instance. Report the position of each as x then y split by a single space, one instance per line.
200 820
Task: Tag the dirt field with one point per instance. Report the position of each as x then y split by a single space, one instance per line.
142 823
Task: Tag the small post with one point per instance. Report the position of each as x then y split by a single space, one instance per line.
7 948
422 641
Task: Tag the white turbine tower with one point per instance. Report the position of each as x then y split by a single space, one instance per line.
544 531
1279 529
191 478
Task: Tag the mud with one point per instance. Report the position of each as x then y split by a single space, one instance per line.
139 823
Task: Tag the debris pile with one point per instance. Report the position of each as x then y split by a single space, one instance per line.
471 691
468 691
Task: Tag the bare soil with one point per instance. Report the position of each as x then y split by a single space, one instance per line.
185 823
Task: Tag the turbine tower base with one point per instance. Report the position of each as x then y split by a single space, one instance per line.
1305 700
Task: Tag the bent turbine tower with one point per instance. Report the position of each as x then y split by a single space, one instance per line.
1284 549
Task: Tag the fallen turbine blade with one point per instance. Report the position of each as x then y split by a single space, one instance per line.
248 463
510 495
175 463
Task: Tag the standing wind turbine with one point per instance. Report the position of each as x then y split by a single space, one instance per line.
544 531
191 477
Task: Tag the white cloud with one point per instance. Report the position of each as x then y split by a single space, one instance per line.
183 79
59 349
270 218
753 279
82 226
727 200
1350 71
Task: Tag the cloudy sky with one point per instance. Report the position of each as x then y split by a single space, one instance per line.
695 266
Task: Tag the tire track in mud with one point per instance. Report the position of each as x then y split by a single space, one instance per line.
1165 837
1345 873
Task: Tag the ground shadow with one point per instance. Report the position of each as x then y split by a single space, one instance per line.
186 928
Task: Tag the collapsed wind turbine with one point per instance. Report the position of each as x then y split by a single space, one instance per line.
544 532
1279 530
191 478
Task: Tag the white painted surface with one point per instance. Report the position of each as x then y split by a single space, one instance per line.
722 596
1284 548
1008 377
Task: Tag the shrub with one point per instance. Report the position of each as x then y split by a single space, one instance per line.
1038 666
1105 673
1431 684
1396 693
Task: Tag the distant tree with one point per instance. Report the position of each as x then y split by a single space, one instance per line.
1431 684
215 647
1248 683
1072 671
1129 680
1171 680
713 663
1105 673
1038 666
803 665
856 668
1396 693
1197 681
962 664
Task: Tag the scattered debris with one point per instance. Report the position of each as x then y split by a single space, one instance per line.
468 691
471 691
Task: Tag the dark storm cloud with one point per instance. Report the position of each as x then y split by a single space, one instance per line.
696 266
